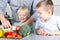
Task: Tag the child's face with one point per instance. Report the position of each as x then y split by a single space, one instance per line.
22 17
42 13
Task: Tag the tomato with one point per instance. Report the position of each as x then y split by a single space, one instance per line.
19 36
17 28
8 33
14 35
8 36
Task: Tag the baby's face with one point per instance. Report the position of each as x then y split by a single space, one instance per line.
42 13
22 17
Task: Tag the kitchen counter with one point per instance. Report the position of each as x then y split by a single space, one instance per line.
39 37
36 37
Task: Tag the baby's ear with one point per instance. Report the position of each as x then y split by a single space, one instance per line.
49 11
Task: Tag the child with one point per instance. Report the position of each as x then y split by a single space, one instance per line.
47 23
23 15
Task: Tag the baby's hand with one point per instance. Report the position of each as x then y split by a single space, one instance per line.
41 32
51 34
45 33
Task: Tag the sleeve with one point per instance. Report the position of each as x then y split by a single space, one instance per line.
34 16
3 4
58 23
37 24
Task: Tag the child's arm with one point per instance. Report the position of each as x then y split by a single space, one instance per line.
41 32
39 29
55 33
29 21
58 26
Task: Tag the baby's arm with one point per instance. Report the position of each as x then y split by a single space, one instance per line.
55 33
58 26
41 32
38 28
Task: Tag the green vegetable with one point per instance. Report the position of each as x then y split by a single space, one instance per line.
7 30
24 30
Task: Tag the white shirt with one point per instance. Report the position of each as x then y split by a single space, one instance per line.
53 24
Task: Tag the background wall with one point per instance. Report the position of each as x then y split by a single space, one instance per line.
56 7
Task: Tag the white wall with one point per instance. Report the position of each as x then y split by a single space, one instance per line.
57 10
56 7
56 2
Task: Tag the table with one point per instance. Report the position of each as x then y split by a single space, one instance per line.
39 37
36 37
33 36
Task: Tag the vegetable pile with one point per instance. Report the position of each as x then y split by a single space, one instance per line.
19 33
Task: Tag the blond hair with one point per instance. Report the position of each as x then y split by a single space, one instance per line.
25 10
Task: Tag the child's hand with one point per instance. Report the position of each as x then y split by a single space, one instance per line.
21 24
41 32
53 33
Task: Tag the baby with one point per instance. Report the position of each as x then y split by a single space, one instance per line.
47 23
